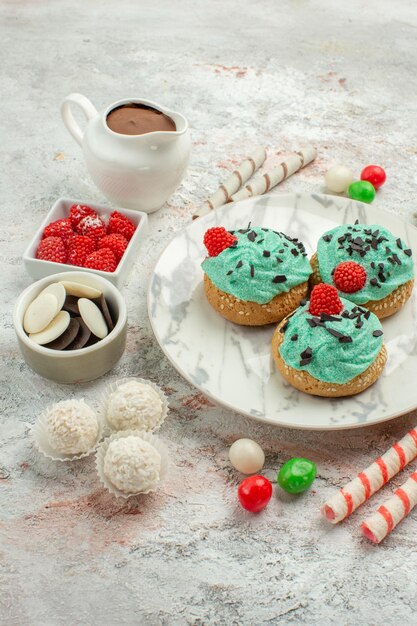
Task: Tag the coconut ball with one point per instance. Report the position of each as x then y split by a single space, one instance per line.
134 406
71 427
132 464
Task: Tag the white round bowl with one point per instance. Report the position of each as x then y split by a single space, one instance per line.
73 366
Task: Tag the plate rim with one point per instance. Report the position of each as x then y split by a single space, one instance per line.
223 403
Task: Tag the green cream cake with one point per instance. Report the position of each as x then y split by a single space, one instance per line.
254 275
329 346
386 259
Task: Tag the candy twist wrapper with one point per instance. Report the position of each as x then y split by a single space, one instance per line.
371 479
379 525
245 170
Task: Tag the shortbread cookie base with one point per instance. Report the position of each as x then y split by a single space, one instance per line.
251 313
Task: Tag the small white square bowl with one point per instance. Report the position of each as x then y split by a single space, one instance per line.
39 269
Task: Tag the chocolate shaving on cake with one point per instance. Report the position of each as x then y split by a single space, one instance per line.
356 222
399 243
303 302
279 278
252 235
345 339
326 317
396 259
306 356
327 238
408 252
260 240
266 253
294 252
243 231
374 283
294 337
284 328
367 315
377 333
229 272
252 271
279 260
340 336
281 251
266 230
239 264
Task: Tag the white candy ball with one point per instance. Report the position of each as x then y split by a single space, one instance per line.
338 178
246 456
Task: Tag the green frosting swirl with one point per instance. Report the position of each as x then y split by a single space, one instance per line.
263 264
309 344
386 259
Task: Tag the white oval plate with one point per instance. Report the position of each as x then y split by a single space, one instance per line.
232 364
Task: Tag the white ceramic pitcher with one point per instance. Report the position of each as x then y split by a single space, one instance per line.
133 171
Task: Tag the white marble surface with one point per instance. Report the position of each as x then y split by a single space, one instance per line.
340 76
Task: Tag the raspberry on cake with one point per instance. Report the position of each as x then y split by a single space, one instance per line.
254 275
52 249
325 299
218 239
329 351
349 277
368 264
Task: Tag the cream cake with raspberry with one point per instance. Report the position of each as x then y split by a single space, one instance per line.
367 264
329 346
254 276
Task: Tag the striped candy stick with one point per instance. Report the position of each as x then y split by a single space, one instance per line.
371 479
379 525
234 182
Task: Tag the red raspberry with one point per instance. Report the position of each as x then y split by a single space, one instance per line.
79 247
116 242
119 223
78 211
325 299
52 249
218 239
349 277
92 226
103 260
59 228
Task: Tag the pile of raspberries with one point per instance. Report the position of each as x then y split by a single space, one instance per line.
85 240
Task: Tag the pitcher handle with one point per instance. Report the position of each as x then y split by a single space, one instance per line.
86 107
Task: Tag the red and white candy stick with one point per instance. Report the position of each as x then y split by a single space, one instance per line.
379 525
371 479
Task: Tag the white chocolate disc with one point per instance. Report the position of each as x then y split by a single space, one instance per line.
40 312
79 290
93 318
54 330
57 290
